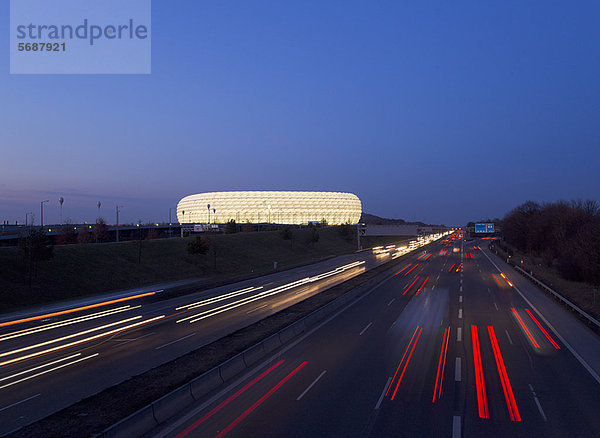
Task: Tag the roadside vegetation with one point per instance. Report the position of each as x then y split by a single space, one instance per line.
36 273
560 243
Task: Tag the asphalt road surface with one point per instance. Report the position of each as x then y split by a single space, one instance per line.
448 347
50 362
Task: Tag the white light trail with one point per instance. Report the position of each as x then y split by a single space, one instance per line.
66 322
81 341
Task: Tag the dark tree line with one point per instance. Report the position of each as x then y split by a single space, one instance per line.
564 234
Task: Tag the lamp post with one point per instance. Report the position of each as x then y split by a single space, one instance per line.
117 225
60 201
214 215
42 212
27 214
170 223
99 205
208 207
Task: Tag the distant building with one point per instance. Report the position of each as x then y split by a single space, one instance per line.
270 207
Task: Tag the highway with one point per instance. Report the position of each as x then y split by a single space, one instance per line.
447 347
50 361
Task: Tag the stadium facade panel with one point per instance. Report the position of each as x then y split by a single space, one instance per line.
285 207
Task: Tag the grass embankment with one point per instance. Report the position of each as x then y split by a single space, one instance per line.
584 295
89 269
98 412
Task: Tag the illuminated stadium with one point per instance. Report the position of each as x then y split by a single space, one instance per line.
270 207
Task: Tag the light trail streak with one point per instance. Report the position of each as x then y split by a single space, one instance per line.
495 278
219 298
506 279
406 364
482 403
267 293
422 286
410 264
411 285
408 272
402 360
66 322
39 367
48 371
442 359
260 401
525 329
227 401
506 387
543 330
64 338
81 341
77 309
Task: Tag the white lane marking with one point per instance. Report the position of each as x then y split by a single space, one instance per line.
457 370
136 339
258 308
459 313
438 277
366 328
442 270
571 349
383 393
433 287
176 340
460 289
390 303
461 280
456 427
18 403
311 385
508 336
537 402
489 290
495 305
460 298
458 334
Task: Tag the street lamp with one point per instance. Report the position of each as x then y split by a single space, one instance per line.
27 214
208 207
42 212
214 215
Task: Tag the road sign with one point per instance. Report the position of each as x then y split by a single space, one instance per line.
484 228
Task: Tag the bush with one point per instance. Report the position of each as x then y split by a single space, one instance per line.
230 227
198 246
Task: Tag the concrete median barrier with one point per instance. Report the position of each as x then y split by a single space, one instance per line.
287 334
299 327
232 367
207 382
254 354
271 343
172 403
135 425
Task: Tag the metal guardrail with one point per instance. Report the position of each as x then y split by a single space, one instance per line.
560 297
582 313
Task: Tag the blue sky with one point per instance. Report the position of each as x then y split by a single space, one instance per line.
435 111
